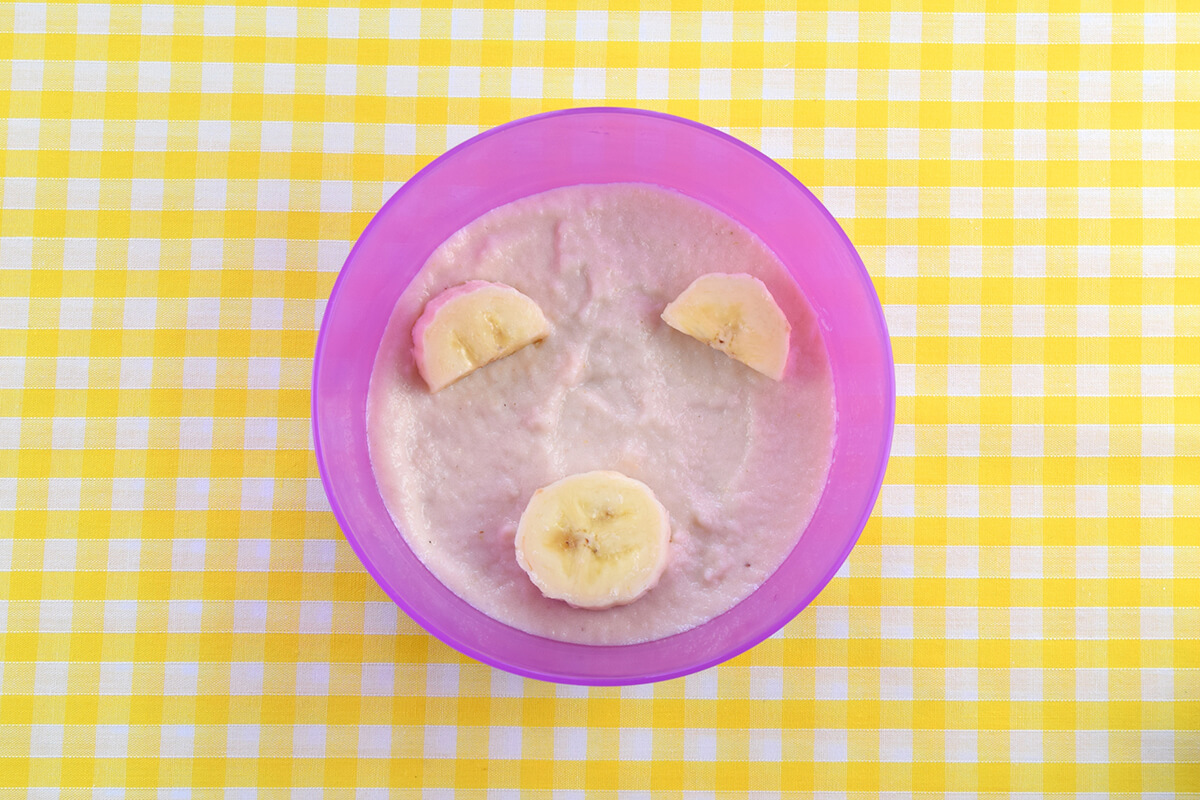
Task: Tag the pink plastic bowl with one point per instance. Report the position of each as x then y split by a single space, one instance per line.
604 145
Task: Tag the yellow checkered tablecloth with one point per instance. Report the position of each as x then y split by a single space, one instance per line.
180 187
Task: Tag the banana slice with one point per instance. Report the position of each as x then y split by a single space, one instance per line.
468 326
596 539
736 314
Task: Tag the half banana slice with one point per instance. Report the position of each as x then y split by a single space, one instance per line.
595 540
468 326
736 314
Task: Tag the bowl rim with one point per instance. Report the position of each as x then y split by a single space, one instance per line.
792 609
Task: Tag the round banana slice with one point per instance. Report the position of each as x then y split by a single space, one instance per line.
595 540
736 314
470 325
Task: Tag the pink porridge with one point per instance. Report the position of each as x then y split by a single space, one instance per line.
738 460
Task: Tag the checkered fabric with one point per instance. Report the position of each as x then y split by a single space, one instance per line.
180 187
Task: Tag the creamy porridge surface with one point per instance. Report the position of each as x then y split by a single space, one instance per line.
738 460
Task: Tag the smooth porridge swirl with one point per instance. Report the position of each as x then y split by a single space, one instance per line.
738 460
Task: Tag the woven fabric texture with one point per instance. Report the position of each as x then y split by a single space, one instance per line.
178 608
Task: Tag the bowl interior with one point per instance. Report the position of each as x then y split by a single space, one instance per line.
604 146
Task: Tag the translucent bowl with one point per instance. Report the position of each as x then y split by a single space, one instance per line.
604 145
